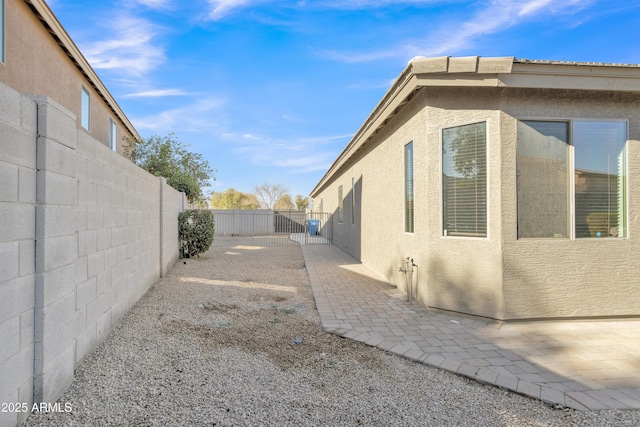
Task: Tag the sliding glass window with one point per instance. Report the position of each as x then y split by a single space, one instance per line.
600 179
542 165
572 178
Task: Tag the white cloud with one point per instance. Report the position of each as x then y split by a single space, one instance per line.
130 48
371 4
495 16
296 155
195 117
220 8
155 4
157 93
499 15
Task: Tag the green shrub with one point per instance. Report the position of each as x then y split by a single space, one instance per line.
195 227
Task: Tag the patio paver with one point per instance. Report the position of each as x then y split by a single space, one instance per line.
586 365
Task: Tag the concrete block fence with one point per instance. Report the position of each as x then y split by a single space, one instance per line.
84 233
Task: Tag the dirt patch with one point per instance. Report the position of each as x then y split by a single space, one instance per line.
251 317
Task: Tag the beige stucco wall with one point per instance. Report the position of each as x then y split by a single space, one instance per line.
562 277
459 274
499 276
36 64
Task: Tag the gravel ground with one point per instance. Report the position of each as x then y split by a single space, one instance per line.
217 343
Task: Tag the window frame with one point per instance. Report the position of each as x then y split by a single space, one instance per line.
353 201
85 109
486 122
2 31
409 217
113 135
340 204
572 175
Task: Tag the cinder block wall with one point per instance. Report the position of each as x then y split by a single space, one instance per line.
83 234
18 130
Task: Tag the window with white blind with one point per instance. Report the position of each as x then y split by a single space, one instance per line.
1 30
542 167
340 205
572 179
113 141
353 201
85 109
408 188
464 180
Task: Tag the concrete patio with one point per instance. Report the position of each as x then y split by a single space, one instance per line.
585 365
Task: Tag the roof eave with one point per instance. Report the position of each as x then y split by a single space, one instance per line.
45 14
476 71
437 70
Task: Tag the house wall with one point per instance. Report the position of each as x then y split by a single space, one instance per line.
36 64
83 234
459 274
499 276
561 277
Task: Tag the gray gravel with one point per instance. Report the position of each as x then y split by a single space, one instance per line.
214 344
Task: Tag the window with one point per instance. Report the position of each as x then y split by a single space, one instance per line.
464 180
113 139
572 179
542 165
408 187
353 201
1 30
340 205
85 109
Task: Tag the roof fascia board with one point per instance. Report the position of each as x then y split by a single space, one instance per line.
575 82
477 71
457 80
576 69
439 71
401 89
45 14
573 76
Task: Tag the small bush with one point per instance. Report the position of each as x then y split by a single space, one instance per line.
195 227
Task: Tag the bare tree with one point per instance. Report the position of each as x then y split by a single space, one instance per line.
268 194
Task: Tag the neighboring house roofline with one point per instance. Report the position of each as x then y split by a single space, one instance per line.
60 35
475 71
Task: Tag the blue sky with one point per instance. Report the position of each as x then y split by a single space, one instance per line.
274 90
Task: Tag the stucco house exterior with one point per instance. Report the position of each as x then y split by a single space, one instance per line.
37 56
514 185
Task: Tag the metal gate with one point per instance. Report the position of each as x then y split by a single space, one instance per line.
263 227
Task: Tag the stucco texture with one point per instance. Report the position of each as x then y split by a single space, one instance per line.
36 64
570 277
498 276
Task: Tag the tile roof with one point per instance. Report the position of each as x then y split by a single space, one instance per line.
586 64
